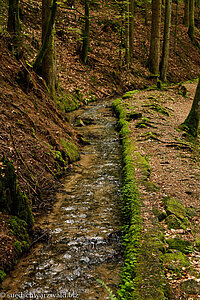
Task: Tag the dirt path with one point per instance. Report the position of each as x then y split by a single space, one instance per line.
171 168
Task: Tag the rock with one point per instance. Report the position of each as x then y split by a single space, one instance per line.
179 244
175 261
173 222
133 116
173 206
161 216
191 286
191 212
197 241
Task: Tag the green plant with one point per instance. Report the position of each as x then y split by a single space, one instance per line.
2 275
112 296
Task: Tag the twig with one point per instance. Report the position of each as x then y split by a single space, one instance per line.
39 238
171 144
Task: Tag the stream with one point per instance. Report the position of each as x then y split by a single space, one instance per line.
85 242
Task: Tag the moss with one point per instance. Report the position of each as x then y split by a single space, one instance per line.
191 287
173 206
175 261
19 228
150 186
117 105
130 208
158 108
129 94
71 150
143 165
150 135
174 223
191 212
143 123
2 275
180 245
67 102
12 200
58 157
132 278
18 246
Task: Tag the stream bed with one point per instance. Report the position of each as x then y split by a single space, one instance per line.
85 242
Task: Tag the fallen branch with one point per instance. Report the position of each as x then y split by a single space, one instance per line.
39 238
171 144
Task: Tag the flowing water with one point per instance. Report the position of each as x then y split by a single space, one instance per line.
85 224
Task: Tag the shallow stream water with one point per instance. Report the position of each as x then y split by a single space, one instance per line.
85 223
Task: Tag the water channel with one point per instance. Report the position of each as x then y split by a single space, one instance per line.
85 223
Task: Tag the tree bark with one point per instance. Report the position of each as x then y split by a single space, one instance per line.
127 46
191 20
45 63
14 27
191 124
154 55
165 51
186 13
131 28
86 34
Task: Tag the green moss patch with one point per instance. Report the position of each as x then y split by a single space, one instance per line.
142 275
71 150
145 122
173 206
158 108
129 94
12 200
180 245
19 228
2 275
174 223
130 208
68 102
175 261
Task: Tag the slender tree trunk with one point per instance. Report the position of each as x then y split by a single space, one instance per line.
127 21
186 13
154 55
165 51
131 29
191 123
191 20
86 34
45 63
175 28
146 12
14 27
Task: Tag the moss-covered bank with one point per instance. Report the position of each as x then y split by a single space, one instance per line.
142 275
130 207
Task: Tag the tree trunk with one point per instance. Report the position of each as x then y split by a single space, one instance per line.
86 34
49 61
131 28
165 51
14 27
45 63
186 13
154 55
191 124
127 21
191 20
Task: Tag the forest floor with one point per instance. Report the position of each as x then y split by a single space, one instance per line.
171 168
